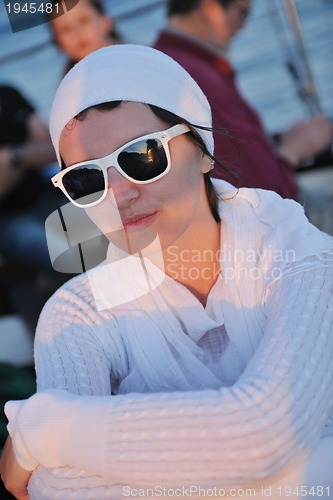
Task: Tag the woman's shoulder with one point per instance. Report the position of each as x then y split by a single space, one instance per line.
261 218
75 289
71 312
72 302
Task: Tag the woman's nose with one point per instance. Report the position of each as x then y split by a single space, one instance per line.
125 191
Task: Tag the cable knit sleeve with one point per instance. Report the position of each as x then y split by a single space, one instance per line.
272 416
74 350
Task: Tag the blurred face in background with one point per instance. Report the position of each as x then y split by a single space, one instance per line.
227 21
81 30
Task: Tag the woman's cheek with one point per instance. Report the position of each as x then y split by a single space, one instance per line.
106 215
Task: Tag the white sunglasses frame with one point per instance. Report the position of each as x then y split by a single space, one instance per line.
111 160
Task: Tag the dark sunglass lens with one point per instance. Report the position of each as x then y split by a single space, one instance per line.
143 160
84 184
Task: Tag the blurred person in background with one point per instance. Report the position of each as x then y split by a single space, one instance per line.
26 275
84 28
26 199
198 35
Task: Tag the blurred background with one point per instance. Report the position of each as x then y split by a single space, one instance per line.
30 61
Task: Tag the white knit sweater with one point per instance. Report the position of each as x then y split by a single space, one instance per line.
238 393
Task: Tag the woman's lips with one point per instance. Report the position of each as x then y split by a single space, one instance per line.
139 220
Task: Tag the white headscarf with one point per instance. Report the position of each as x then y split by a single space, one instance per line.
130 73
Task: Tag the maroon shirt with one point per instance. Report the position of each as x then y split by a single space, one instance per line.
246 150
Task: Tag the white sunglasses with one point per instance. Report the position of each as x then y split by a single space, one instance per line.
142 160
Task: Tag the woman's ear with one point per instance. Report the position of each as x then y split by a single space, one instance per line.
206 164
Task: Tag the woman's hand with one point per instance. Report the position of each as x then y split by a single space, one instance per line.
13 476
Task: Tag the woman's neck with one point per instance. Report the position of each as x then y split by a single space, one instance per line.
193 260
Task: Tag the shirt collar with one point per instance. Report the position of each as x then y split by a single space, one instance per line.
216 57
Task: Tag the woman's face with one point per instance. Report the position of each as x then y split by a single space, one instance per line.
175 206
81 30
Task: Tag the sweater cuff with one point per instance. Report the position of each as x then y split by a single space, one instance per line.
42 426
24 458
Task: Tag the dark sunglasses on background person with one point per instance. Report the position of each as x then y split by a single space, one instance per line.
141 161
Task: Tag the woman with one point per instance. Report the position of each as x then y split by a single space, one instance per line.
210 324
